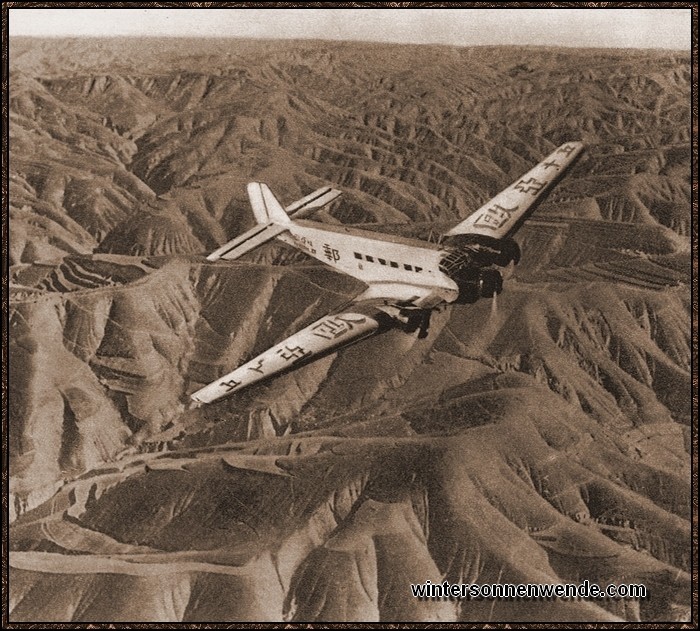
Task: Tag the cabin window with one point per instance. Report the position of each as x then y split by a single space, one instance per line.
369 258
358 255
418 269
393 264
408 267
382 261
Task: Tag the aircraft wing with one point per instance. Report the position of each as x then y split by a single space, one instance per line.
313 201
502 215
322 337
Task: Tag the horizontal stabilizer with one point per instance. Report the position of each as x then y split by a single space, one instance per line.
323 336
247 241
318 199
502 215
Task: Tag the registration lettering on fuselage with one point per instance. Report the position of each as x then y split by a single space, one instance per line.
303 242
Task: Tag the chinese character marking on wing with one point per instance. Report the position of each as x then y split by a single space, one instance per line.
232 384
330 253
551 163
257 367
531 185
494 217
566 150
334 327
294 354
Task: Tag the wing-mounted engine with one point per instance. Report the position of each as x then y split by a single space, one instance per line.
484 238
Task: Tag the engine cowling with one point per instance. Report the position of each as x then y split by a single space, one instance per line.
478 283
509 252
482 251
490 283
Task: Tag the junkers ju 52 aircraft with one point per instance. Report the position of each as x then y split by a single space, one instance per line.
406 278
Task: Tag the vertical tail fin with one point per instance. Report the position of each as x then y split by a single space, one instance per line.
265 206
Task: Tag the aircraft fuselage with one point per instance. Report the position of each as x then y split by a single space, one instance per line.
404 270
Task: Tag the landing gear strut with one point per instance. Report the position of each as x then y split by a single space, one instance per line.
419 321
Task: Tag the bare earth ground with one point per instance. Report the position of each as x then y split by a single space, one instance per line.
542 439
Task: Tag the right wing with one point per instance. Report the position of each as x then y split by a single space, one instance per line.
503 214
324 336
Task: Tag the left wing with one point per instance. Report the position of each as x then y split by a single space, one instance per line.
323 336
503 214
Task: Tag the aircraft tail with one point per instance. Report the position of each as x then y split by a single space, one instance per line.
265 206
272 220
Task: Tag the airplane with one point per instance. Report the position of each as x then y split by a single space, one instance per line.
406 279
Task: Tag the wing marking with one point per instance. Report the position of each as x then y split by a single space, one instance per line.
503 214
326 335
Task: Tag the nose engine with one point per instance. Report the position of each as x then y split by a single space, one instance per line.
468 262
477 283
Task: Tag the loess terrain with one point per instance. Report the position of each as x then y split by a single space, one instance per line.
543 438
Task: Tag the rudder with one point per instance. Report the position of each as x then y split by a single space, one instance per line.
266 208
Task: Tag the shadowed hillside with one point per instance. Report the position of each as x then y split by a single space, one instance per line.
544 437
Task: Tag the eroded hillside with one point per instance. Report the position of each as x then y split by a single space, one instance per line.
540 438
